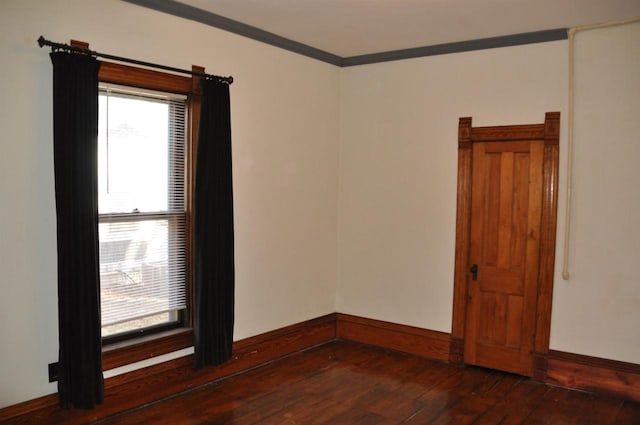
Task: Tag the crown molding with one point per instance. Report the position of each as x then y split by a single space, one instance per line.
217 21
457 47
185 11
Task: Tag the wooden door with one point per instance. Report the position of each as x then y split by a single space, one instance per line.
504 246
506 224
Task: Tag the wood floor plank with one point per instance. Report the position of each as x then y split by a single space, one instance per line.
516 405
629 413
598 410
548 410
347 383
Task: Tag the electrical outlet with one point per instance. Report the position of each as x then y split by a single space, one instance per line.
53 372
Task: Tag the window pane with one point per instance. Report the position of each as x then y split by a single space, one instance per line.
134 154
141 206
141 270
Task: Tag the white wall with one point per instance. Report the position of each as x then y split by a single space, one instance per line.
398 151
398 168
285 149
597 312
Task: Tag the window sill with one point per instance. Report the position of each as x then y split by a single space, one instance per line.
145 347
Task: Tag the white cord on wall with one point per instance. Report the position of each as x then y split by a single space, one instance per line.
567 221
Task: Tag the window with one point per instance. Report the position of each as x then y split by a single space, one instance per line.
142 215
130 337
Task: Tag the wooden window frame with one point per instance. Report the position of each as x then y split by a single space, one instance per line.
117 352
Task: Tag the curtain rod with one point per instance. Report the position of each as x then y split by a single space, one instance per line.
60 46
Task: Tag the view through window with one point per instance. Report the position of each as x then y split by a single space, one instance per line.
141 205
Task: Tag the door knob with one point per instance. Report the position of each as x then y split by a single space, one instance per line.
474 271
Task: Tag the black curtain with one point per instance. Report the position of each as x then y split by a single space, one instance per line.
213 209
75 141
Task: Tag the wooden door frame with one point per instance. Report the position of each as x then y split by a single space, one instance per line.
549 132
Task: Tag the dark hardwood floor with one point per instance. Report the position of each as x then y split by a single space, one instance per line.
347 383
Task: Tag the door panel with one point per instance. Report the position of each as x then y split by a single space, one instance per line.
504 242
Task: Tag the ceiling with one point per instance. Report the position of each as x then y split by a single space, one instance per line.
349 28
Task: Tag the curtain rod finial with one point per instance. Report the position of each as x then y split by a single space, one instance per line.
41 41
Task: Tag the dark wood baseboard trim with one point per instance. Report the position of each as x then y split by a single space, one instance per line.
456 351
142 386
594 374
9 414
540 366
602 376
407 339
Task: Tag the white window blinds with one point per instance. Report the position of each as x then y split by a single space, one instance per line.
141 160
